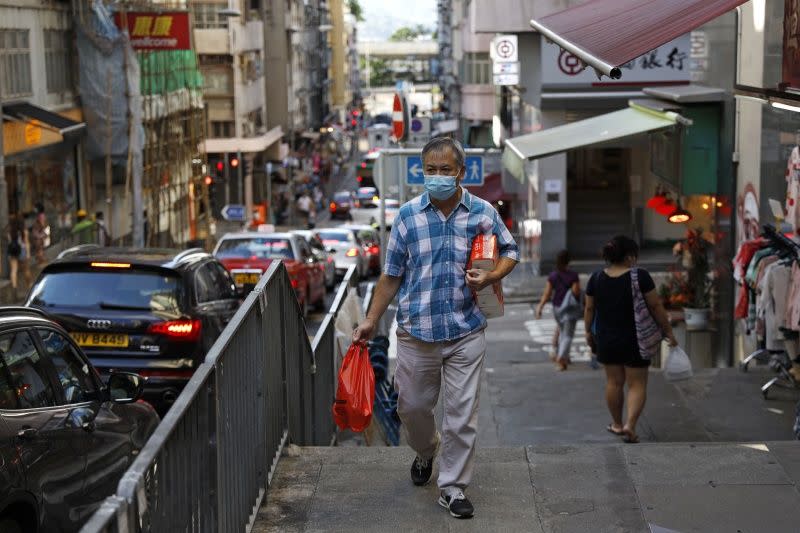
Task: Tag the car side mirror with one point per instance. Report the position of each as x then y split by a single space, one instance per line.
125 387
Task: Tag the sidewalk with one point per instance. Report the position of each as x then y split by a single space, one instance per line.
580 488
709 460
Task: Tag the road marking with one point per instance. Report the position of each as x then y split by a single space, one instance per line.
541 332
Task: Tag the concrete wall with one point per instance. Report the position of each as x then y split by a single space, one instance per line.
246 37
276 68
477 102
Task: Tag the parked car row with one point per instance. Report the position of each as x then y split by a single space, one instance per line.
108 339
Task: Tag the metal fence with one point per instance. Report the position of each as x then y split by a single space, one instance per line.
209 463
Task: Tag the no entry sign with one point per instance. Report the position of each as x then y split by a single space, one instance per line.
399 118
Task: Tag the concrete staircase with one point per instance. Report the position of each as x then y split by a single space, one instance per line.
593 217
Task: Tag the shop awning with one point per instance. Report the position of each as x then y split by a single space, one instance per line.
26 112
634 120
245 145
606 34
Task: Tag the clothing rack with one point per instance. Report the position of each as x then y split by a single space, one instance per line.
778 360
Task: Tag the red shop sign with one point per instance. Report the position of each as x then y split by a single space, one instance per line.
158 31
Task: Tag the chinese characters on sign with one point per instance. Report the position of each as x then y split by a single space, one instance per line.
667 63
157 31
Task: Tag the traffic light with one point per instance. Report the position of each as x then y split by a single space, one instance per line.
234 161
209 180
220 166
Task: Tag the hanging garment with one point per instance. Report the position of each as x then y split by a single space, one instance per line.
740 265
793 189
793 300
744 255
773 290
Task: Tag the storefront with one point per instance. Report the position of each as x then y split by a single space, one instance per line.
42 163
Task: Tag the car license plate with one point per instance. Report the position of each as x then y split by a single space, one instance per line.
246 278
101 340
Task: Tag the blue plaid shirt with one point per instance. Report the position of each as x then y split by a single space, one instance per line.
430 253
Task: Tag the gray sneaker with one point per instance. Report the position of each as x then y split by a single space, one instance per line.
458 504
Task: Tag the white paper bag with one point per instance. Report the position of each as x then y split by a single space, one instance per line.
678 365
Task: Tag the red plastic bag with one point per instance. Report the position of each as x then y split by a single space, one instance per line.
355 395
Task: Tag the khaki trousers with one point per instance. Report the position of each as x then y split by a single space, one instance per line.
422 369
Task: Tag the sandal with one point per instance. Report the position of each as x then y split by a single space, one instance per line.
618 433
630 437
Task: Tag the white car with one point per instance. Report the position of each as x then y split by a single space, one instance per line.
346 248
369 212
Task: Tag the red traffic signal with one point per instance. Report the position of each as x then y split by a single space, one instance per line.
220 166
209 180
353 122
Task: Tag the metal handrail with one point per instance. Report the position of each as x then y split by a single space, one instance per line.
210 461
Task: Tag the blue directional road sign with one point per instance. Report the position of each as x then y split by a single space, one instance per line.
414 174
233 212
472 177
474 173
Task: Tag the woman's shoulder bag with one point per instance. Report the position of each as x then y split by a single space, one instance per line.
648 333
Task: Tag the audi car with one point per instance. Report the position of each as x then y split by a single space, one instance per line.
153 311
66 435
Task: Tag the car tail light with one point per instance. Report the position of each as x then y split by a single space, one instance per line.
333 206
295 283
352 252
182 330
110 265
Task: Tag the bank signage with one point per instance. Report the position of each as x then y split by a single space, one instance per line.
157 31
669 63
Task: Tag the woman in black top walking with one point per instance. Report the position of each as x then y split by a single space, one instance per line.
611 331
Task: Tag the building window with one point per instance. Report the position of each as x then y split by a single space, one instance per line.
223 129
57 61
476 69
206 15
15 53
217 81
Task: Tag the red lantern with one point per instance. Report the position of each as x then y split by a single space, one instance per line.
666 208
657 199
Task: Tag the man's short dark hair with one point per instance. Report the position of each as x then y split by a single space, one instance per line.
437 144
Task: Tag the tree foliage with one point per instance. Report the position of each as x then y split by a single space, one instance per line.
355 10
410 33
380 75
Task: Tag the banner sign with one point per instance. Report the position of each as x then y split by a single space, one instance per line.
668 63
158 30
791 44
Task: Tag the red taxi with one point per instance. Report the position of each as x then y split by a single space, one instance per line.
247 255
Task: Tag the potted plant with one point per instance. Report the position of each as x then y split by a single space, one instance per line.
693 257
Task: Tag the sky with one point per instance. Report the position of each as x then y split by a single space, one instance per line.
383 17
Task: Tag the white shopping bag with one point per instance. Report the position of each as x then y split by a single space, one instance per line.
678 365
